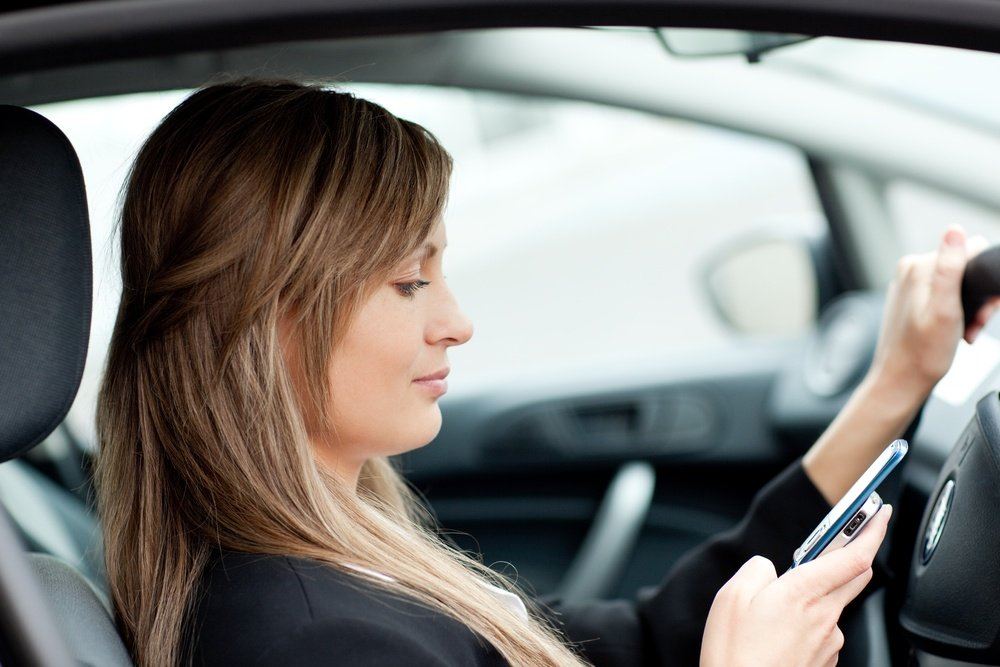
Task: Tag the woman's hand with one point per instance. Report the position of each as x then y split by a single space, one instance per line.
758 618
920 330
923 318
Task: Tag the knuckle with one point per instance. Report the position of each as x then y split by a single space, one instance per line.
764 565
798 593
727 591
836 638
948 268
857 563
945 313
723 599
731 590
949 263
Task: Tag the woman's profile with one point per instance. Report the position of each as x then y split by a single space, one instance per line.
283 296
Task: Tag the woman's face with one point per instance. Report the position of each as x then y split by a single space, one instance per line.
378 407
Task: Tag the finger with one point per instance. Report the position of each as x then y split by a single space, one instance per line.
915 263
842 596
831 571
837 641
949 266
753 576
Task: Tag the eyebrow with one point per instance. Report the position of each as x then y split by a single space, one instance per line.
430 250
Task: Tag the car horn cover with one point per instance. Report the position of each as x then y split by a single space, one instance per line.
952 602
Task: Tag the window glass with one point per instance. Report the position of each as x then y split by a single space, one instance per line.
578 233
921 214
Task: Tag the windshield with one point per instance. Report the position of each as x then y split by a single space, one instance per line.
956 83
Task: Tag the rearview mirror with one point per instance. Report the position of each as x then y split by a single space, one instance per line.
700 42
763 285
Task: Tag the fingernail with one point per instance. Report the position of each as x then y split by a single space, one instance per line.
953 236
888 508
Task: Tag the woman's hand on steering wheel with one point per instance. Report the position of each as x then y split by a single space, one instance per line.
923 318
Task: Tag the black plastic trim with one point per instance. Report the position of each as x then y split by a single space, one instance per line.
75 33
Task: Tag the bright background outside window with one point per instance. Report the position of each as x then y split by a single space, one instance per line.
576 232
919 215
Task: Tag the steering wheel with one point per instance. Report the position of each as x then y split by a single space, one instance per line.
949 604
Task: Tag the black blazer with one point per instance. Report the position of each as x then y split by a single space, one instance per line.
273 610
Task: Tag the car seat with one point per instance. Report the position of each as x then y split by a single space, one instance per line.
45 304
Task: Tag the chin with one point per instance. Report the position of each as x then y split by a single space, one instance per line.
431 425
421 431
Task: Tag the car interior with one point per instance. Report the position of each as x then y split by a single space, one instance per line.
594 440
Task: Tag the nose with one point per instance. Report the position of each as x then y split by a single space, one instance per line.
455 327
463 328
459 328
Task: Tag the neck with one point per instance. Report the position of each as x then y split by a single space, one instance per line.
342 468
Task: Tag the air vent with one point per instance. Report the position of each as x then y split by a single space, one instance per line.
599 419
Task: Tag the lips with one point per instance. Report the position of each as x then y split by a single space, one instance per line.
437 375
434 383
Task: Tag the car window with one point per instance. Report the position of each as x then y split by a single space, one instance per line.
919 214
578 233
940 80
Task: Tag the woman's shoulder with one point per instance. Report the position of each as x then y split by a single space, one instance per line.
273 609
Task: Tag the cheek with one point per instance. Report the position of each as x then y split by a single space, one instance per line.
368 376
375 404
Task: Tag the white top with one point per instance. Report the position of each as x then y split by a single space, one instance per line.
513 602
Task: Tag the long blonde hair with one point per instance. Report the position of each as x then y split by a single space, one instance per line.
251 201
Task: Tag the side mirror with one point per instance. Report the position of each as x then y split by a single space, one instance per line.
763 284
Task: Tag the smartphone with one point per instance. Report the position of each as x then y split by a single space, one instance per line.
854 510
856 524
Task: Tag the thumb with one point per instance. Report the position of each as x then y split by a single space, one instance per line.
754 576
949 266
831 571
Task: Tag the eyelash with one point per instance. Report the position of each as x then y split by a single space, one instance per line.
409 289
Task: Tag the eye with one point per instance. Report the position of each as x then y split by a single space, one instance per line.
409 289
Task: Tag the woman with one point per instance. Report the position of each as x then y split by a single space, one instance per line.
281 259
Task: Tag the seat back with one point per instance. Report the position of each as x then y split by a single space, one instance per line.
45 304
51 520
81 612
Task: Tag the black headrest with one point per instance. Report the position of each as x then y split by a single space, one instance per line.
45 278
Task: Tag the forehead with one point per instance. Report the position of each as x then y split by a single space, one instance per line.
434 245
438 234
